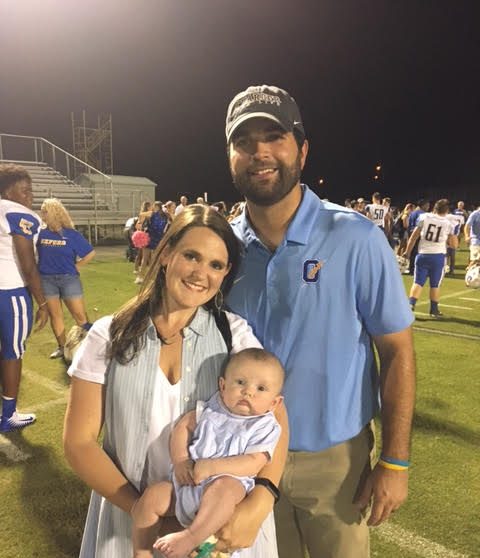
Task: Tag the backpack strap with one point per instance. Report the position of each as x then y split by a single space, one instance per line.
224 327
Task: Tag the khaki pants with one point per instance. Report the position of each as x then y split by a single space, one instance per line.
315 516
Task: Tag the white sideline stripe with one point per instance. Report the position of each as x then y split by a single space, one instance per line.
11 452
459 307
45 382
471 299
447 333
414 543
452 295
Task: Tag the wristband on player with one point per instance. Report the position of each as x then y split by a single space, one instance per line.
43 304
393 464
268 484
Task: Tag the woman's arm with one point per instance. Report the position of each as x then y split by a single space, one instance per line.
83 423
83 261
242 529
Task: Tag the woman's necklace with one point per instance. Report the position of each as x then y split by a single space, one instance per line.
169 339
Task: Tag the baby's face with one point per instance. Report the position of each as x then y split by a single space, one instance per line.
251 387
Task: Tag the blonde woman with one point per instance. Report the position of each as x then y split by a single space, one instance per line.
62 251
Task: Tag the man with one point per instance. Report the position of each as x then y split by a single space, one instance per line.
422 207
376 211
19 280
317 283
472 234
361 203
182 205
458 221
434 232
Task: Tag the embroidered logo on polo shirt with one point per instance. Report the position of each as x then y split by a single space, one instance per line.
311 270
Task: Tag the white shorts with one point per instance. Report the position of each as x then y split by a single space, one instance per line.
474 252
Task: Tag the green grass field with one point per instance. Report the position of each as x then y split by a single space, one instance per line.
43 505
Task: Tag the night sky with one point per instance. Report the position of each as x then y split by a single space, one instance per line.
389 81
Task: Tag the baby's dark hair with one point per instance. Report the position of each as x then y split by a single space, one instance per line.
260 355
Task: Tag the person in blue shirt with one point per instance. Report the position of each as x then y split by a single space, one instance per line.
62 251
321 288
472 234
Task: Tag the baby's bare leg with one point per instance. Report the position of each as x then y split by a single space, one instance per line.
147 515
216 508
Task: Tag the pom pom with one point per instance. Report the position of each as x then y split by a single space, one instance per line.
140 239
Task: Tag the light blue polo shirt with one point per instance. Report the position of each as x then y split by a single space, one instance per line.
474 222
331 284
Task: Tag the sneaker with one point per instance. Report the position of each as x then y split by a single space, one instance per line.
57 353
436 315
412 307
17 421
138 281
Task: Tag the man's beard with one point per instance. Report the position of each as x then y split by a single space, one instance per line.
288 177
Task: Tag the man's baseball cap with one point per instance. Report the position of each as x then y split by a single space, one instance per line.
264 101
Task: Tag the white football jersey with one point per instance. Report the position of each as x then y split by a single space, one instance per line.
14 219
435 230
457 221
376 212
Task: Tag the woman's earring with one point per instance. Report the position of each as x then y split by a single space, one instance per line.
218 300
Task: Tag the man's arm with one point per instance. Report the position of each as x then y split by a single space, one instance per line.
28 268
389 488
452 241
467 232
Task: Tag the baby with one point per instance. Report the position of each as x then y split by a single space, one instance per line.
216 452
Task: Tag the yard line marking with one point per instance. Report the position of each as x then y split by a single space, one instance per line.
447 333
459 307
11 452
466 298
414 543
445 297
45 382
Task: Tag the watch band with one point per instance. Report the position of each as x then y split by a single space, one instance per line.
268 484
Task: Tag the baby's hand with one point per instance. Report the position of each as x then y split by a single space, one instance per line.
183 472
202 470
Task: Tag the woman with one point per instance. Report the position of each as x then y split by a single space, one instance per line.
142 225
402 226
137 372
62 251
157 225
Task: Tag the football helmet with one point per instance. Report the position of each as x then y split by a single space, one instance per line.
472 277
403 263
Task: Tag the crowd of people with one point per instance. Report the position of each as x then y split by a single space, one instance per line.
226 401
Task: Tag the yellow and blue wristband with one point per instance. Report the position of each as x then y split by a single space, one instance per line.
393 464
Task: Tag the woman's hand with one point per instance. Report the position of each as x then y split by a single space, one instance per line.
242 529
183 472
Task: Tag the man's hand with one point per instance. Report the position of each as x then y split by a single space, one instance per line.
388 489
202 470
183 472
41 317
